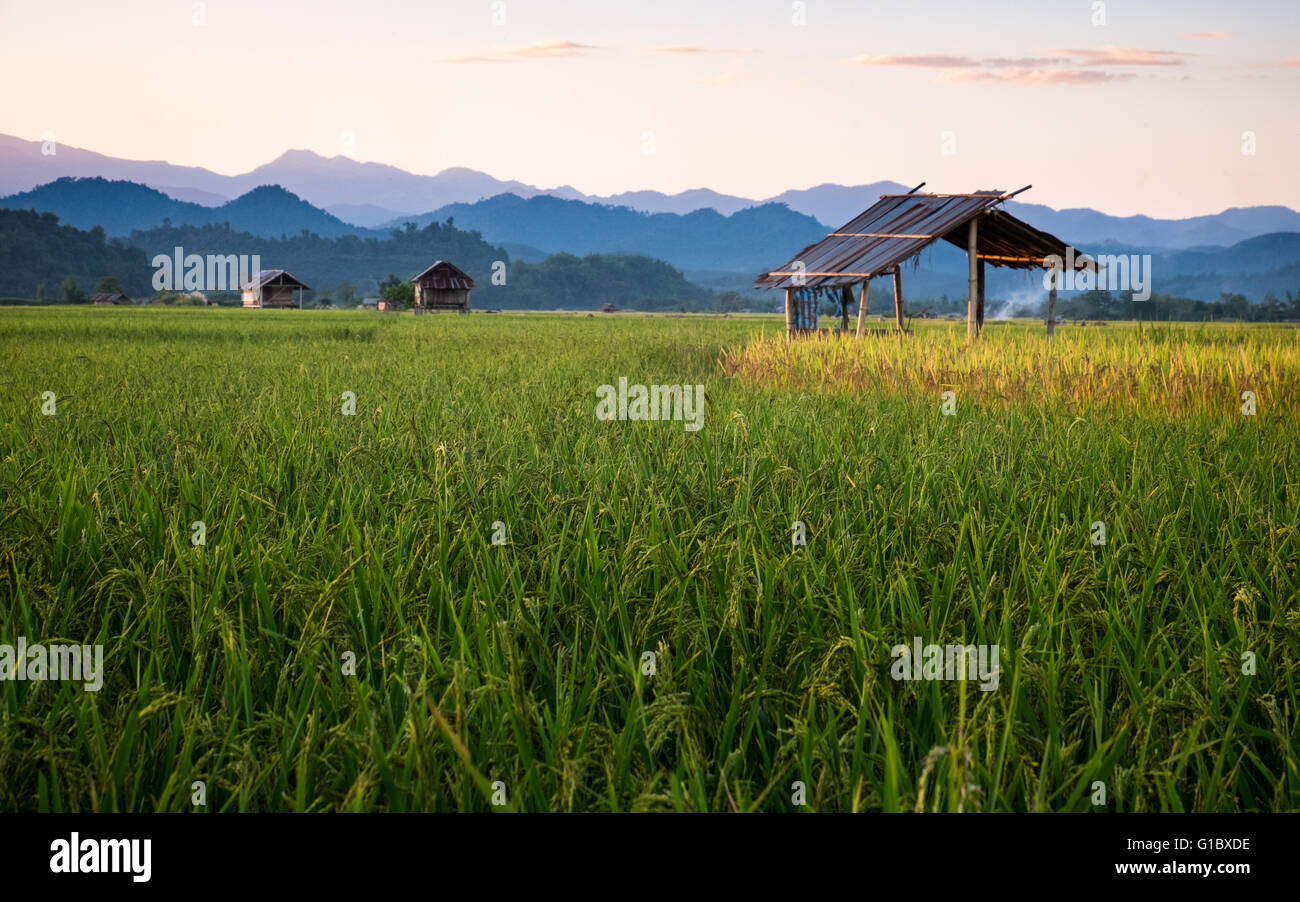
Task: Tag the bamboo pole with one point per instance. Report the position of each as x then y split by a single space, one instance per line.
898 298
972 277
862 306
846 298
789 314
1051 307
979 310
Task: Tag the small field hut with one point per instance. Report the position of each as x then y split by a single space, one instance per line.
895 229
443 286
110 299
274 288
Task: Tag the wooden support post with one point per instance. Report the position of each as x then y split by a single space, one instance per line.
862 305
789 314
846 298
979 309
1051 306
898 297
972 280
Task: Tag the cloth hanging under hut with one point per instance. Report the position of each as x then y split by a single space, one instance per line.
806 302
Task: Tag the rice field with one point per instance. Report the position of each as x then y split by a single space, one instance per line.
470 594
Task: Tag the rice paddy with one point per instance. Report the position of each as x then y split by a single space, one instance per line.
470 594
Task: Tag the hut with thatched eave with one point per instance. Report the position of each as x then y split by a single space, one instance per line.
105 298
897 228
274 288
443 286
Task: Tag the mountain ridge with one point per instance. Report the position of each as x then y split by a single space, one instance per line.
376 193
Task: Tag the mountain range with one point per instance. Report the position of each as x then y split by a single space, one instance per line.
719 249
121 208
529 228
368 195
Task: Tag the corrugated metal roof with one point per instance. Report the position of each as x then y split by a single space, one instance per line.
450 278
266 277
900 226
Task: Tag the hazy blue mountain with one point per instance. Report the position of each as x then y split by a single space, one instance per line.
122 207
683 202
193 195
705 239
835 205
339 180
25 164
365 215
363 193
1084 226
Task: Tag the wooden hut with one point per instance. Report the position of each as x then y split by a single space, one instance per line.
897 228
274 288
443 286
110 299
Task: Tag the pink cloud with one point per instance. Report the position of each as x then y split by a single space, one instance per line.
535 50
922 62
1033 76
693 50
1110 55
1205 35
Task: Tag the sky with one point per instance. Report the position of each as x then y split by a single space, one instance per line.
1169 108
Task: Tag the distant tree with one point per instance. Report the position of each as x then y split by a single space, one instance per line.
346 294
1271 310
109 285
397 291
72 293
40 292
1233 306
730 302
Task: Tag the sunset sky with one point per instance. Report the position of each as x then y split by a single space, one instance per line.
1142 114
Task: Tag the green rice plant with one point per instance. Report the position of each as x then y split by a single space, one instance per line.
349 637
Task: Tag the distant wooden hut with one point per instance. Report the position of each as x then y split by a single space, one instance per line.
608 308
107 299
443 286
370 303
274 288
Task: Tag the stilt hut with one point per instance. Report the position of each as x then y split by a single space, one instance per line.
274 288
443 286
108 298
897 228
